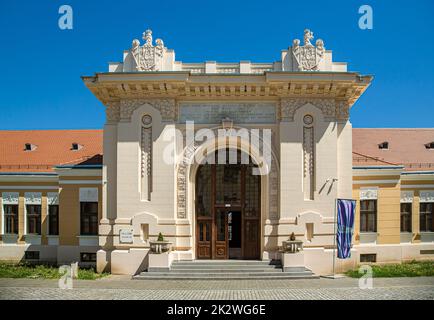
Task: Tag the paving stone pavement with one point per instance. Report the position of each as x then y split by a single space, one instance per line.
120 288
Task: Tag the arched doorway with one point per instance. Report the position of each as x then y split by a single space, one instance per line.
228 209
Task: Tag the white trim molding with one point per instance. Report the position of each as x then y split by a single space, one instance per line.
52 200
34 198
366 172
67 172
416 186
34 239
28 178
88 240
29 187
392 181
80 181
8 198
417 176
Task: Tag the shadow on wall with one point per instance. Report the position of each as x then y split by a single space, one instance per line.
272 245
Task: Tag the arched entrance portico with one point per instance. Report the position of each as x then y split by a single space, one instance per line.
228 207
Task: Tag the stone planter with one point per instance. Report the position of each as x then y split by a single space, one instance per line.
292 246
159 247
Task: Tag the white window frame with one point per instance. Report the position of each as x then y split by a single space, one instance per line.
425 196
87 195
34 198
15 201
52 200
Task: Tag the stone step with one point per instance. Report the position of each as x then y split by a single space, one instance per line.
224 270
219 267
226 262
224 276
227 270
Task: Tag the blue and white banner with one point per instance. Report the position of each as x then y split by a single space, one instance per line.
345 226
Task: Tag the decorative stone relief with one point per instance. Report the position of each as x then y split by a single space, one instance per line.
10 197
33 198
407 196
427 196
369 194
187 159
308 158
342 110
288 107
53 198
308 57
148 56
274 191
146 157
167 108
113 111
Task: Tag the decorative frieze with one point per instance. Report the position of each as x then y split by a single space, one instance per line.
407 196
342 110
239 112
52 198
426 196
166 107
288 107
33 198
10 197
113 111
369 194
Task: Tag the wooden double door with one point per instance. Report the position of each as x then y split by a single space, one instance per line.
227 212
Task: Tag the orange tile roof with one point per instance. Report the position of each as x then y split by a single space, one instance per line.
53 147
406 147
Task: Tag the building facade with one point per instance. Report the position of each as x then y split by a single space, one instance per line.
226 161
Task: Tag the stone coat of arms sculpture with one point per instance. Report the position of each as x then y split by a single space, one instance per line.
308 56
148 56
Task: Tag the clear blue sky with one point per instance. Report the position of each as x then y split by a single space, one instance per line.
41 64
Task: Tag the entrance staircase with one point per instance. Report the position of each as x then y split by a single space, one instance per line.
227 269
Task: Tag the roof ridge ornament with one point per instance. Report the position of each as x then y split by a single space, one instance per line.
308 56
148 56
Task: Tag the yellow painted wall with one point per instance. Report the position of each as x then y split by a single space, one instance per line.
415 219
69 212
388 213
69 215
21 230
69 209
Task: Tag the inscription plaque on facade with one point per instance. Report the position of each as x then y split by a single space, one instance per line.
126 236
213 113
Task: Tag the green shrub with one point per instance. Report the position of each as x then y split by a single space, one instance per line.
29 271
407 269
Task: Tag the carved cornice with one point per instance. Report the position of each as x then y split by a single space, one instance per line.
182 85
